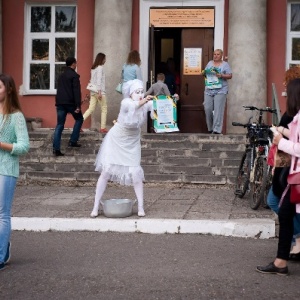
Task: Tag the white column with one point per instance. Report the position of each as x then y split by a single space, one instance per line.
112 36
247 58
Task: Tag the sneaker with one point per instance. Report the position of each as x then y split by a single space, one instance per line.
103 130
7 256
2 266
74 144
272 269
94 214
141 213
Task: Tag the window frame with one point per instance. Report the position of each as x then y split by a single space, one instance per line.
290 35
51 36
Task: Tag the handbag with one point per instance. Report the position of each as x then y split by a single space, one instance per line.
294 182
120 84
119 87
282 159
92 87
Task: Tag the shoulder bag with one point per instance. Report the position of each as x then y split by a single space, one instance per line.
294 179
120 84
92 87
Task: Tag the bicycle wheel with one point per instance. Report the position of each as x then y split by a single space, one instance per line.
268 186
242 178
258 186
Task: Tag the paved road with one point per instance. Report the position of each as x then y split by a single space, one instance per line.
91 265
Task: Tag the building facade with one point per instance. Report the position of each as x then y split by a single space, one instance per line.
260 40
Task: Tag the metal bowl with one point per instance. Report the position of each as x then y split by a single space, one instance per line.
117 208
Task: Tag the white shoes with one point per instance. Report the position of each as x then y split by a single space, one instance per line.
94 214
141 212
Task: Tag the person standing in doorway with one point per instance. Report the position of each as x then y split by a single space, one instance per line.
98 79
216 73
68 100
14 141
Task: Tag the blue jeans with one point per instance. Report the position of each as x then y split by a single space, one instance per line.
7 190
62 111
273 202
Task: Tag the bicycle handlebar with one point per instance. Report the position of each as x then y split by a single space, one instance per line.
263 126
240 124
268 109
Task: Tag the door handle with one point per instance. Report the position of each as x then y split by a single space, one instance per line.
186 89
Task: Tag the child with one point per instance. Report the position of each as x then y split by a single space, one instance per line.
119 158
159 88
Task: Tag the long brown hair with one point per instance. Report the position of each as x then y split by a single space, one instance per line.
99 60
134 58
293 97
11 102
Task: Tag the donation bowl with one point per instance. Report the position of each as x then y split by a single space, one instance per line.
117 208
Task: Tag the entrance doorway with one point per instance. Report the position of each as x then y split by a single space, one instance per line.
166 56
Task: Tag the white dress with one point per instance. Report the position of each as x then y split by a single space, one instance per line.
120 152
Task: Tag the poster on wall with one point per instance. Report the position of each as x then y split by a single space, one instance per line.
192 60
165 114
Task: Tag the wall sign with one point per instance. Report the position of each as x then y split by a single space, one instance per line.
186 17
192 61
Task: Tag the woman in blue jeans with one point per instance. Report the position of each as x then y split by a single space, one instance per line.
280 175
14 141
287 210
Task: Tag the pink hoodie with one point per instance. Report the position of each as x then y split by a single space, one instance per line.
292 147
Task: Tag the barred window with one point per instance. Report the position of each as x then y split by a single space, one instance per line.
293 34
50 37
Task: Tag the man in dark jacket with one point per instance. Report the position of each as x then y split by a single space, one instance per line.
68 100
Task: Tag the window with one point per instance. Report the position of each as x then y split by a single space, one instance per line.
50 37
293 34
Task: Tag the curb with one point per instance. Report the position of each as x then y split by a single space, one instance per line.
247 228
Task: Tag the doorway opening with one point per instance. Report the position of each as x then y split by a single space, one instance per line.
167 48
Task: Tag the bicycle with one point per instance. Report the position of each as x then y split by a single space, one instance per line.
254 175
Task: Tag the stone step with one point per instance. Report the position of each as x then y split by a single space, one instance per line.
178 158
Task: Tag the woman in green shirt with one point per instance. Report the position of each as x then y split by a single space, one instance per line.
14 141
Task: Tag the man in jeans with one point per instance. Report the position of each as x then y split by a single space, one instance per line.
68 100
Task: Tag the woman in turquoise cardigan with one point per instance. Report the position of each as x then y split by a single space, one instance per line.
14 141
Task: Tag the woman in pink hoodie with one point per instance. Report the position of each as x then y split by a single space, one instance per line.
287 209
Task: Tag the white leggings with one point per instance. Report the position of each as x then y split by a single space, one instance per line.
101 186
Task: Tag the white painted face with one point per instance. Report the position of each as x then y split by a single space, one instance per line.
137 95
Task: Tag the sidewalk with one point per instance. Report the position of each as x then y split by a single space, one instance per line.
169 208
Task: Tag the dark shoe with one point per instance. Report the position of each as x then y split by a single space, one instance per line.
72 144
7 255
272 269
210 131
2 266
217 132
57 153
294 256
